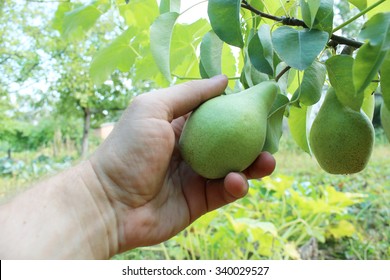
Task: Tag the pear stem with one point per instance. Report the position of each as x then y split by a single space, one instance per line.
284 71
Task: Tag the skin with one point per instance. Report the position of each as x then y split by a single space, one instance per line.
135 190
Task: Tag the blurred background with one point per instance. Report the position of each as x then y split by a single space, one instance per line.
52 115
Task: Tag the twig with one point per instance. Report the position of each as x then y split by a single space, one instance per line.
284 71
247 6
297 22
345 41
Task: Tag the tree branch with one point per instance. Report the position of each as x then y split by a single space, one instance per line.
297 22
345 41
247 6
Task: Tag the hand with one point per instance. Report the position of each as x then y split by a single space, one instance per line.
135 190
152 191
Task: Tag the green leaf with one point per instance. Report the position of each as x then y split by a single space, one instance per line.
211 54
270 6
360 4
367 63
255 20
184 61
287 8
80 20
385 81
297 120
377 30
299 48
384 6
167 6
385 119
202 71
318 14
368 106
118 55
275 124
285 80
243 224
343 228
309 10
324 16
146 69
260 50
309 92
58 20
224 18
229 64
340 74
134 13
160 41
250 76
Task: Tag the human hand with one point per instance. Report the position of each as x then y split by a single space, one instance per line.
152 191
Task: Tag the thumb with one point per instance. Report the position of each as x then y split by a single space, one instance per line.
183 98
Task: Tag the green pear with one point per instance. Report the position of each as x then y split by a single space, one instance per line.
227 133
341 139
385 120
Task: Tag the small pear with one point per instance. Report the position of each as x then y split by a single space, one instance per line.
341 139
227 133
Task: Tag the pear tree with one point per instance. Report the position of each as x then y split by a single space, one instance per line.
299 44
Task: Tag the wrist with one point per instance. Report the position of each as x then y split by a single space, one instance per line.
67 216
96 213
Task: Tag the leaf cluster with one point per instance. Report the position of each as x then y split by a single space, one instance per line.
292 42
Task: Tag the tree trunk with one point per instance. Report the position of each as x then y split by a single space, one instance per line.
9 153
87 124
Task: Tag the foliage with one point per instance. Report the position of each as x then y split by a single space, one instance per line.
349 214
80 55
292 42
38 167
45 75
26 137
308 214
278 216
24 169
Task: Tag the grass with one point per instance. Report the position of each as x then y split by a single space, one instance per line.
371 216
347 216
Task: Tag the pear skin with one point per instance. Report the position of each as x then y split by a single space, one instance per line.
341 139
227 133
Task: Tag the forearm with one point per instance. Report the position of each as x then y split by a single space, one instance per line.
65 217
